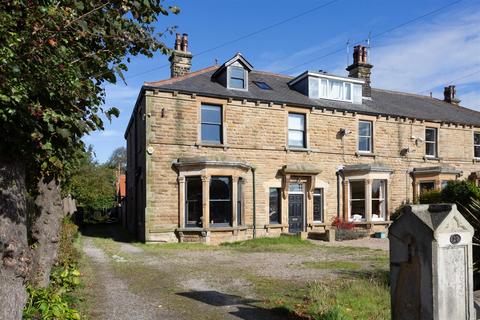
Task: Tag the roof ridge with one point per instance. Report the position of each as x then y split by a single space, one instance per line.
185 76
273 74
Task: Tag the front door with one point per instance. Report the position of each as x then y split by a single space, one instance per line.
295 209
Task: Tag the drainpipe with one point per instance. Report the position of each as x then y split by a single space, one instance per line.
339 174
254 205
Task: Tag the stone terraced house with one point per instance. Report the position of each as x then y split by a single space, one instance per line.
228 152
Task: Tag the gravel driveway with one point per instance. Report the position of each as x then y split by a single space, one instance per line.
136 281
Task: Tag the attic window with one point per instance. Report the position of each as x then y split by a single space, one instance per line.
262 85
237 78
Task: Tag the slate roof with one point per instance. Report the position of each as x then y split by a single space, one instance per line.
383 102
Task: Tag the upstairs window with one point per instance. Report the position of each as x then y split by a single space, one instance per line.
296 130
330 89
431 142
237 78
476 144
365 136
211 124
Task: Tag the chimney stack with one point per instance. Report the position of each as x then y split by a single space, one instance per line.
181 58
449 95
361 69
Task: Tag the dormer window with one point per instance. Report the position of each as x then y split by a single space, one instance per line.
326 86
237 78
233 74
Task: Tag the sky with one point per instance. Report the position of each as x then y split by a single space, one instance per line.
411 50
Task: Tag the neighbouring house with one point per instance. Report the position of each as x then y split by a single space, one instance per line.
120 197
229 152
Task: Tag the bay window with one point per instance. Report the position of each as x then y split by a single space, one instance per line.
357 200
378 200
193 202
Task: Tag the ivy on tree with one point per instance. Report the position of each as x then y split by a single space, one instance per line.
54 58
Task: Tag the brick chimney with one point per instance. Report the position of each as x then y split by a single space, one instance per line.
449 95
181 58
361 69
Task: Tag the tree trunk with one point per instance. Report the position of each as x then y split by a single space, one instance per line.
14 251
46 231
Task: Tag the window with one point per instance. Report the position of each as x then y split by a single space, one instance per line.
476 144
426 186
193 202
378 200
296 130
274 205
357 200
330 89
318 204
212 124
239 202
220 201
431 142
262 85
365 136
237 78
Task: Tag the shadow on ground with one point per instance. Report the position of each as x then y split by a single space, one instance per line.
112 231
246 308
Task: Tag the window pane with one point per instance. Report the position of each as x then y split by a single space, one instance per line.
364 144
357 210
476 138
220 188
477 151
220 201
237 83
336 89
193 204
212 114
220 212
364 128
378 210
295 187
296 121
237 72
274 205
430 149
357 189
318 205
323 88
426 186
295 139
378 189
430 134
348 91
212 132
313 86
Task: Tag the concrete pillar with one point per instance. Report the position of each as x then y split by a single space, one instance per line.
181 202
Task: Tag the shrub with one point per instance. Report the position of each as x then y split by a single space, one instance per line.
67 253
460 191
46 303
341 224
432 196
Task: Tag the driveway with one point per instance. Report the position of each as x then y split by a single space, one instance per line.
126 280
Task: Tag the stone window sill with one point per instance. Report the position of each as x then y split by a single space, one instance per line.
427 158
317 224
365 154
476 160
212 229
211 145
275 225
293 149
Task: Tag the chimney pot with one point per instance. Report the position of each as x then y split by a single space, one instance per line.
185 42
178 41
449 95
361 69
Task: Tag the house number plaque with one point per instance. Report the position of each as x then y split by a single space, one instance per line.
455 238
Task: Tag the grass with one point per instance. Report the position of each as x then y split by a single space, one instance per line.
277 244
334 265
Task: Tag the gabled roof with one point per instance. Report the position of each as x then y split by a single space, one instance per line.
382 102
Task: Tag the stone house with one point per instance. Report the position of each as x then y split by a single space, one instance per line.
229 152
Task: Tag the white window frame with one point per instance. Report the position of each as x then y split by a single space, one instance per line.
328 96
435 142
304 131
321 195
370 137
382 199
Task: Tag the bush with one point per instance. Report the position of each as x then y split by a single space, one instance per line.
46 303
341 224
67 253
429 197
460 191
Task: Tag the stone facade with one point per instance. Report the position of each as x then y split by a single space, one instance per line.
165 127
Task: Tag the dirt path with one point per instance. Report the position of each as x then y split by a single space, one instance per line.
115 300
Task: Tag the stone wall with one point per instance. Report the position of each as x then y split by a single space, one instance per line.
256 133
